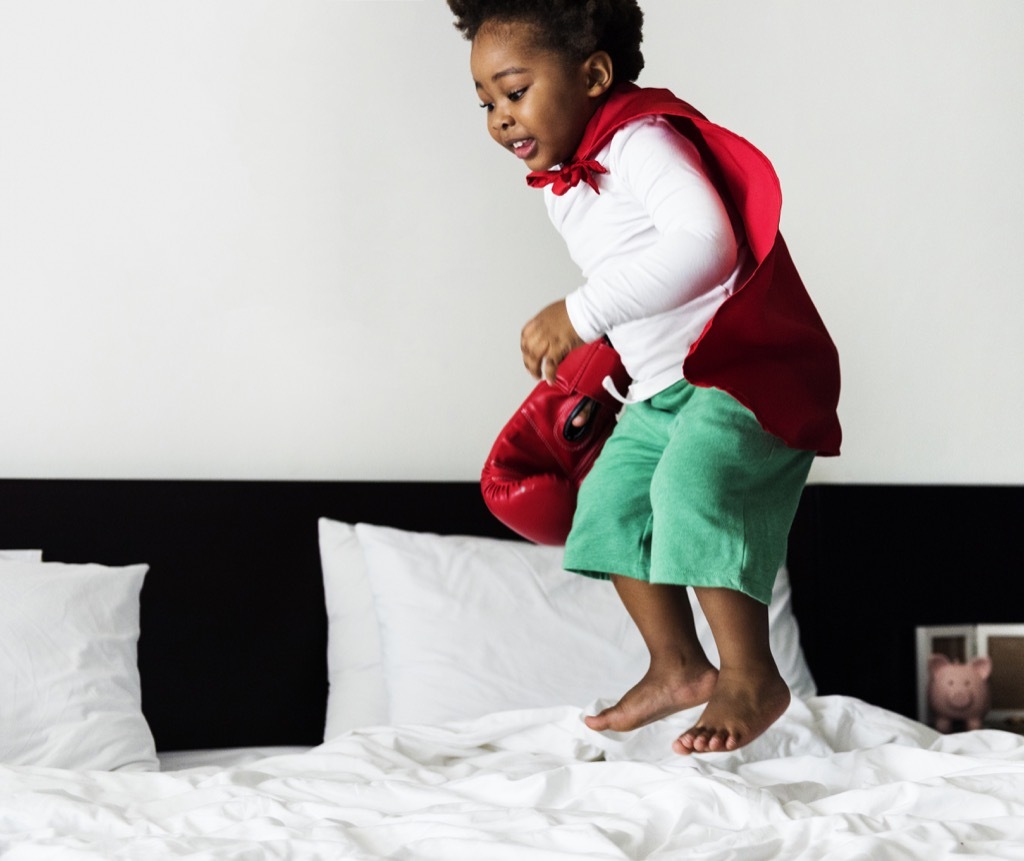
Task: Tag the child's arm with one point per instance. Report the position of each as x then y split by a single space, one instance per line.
695 250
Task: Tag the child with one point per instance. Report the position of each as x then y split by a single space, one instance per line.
674 223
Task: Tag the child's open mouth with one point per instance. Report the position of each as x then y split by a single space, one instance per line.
525 148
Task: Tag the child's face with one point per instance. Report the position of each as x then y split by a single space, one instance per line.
537 104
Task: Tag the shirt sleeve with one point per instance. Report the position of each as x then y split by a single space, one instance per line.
694 251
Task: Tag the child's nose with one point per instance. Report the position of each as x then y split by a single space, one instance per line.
503 122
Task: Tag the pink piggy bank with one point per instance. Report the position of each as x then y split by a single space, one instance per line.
958 691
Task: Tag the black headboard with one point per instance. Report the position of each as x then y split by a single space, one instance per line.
871 562
234 632
233 642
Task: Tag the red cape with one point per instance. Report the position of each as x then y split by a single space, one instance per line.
766 345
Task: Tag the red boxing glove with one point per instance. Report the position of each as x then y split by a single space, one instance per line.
537 463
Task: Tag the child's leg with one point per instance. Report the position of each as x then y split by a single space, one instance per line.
724 496
690 491
680 675
612 533
750 694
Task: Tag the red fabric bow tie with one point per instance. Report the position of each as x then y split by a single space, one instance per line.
567 176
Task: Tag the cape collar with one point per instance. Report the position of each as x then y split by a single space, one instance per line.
626 102
567 176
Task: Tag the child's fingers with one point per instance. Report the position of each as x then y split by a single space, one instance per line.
543 363
583 414
534 364
533 355
546 340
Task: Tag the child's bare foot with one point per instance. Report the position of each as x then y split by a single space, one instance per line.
660 693
743 705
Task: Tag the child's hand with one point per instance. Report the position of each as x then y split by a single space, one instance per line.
547 339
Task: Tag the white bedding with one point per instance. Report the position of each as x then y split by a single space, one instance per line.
227 757
834 779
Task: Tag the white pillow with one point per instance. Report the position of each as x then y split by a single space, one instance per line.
69 679
469 626
21 555
356 696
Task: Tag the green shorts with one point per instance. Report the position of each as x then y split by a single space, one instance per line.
689 490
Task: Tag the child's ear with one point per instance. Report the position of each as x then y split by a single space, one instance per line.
599 72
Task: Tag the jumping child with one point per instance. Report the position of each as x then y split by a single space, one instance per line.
674 224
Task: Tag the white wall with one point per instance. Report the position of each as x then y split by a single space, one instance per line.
256 239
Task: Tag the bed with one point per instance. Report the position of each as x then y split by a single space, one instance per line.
371 670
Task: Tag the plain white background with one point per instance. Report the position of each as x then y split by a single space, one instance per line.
270 239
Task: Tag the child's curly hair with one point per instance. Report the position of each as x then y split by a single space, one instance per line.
572 28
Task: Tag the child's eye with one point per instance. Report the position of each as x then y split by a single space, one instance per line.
514 96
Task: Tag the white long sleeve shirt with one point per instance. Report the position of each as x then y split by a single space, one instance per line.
657 250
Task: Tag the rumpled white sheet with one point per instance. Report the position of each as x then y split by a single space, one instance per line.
833 779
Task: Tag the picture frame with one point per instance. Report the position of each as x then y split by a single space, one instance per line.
1004 645
956 642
